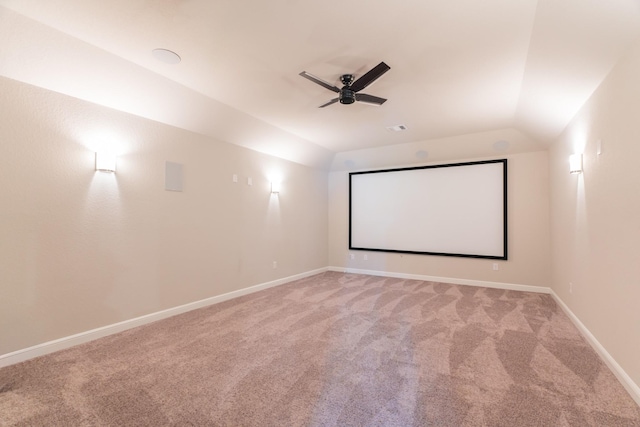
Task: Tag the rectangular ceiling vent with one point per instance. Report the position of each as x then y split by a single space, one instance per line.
397 128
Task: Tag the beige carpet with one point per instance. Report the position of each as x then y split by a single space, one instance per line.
332 350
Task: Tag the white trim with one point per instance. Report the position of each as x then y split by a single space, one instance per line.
631 387
455 281
83 337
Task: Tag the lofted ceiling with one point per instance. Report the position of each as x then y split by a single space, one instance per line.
467 77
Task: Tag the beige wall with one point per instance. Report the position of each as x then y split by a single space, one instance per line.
596 215
81 249
529 239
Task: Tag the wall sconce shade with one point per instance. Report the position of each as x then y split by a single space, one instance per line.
275 187
575 163
106 162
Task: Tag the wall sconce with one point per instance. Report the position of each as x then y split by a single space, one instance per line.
275 187
575 163
106 162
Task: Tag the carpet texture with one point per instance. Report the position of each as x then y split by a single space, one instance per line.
332 350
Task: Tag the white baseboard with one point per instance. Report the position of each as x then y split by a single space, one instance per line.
83 337
455 281
631 387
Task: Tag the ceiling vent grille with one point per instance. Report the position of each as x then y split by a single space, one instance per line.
397 128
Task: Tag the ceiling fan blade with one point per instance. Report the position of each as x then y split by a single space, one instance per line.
370 76
333 101
369 99
320 82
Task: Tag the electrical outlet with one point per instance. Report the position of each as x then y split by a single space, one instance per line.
234 178
366 257
352 256
275 264
496 267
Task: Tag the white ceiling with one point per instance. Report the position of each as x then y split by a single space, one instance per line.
464 73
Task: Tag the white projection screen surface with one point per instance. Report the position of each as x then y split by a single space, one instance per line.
452 210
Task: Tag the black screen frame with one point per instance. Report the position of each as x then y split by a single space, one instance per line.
504 211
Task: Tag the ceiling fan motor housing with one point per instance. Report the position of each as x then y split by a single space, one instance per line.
347 96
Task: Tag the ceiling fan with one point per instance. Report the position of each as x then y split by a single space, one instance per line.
349 92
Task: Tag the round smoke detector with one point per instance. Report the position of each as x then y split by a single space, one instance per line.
166 56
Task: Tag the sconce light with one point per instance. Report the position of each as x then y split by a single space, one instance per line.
275 187
105 162
575 163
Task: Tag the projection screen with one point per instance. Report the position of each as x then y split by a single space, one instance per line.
455 209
